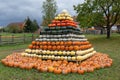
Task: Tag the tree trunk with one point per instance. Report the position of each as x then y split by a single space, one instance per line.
108 32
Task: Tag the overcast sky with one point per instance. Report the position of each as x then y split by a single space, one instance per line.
18 10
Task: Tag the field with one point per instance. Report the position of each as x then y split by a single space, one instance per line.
100 43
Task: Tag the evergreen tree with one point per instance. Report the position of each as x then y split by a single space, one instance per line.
27 27
30 26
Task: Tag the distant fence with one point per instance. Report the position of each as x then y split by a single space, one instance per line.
17 39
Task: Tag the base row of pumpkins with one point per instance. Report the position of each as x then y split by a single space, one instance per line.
97 61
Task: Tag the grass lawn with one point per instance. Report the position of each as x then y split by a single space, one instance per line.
16 34
100 43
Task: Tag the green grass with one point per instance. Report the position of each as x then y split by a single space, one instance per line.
16 34
100 43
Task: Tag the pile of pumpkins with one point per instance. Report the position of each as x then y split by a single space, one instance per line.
68 46
97 61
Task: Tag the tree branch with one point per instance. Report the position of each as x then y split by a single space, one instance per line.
116 18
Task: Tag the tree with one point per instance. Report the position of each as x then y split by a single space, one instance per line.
108 9
49 11
30 26
35 26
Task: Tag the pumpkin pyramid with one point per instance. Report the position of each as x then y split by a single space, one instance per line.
61 40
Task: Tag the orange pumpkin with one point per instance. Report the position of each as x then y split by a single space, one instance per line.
65 62
41 47
57 43
50 69
57 71
30 46
90 69
45 47
49 47
76 48
58 24
48 43
70 48
58 47
44 43
43 69
33 42
37 47
62 47
37 43
61 43
54 47
76 42
80 71
66 48
69 43
53 43
40 43
34 47
50 25
74 70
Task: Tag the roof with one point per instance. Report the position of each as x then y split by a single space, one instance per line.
18 24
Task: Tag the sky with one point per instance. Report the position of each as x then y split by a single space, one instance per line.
18 10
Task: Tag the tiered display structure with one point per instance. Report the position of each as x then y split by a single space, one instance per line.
61 40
